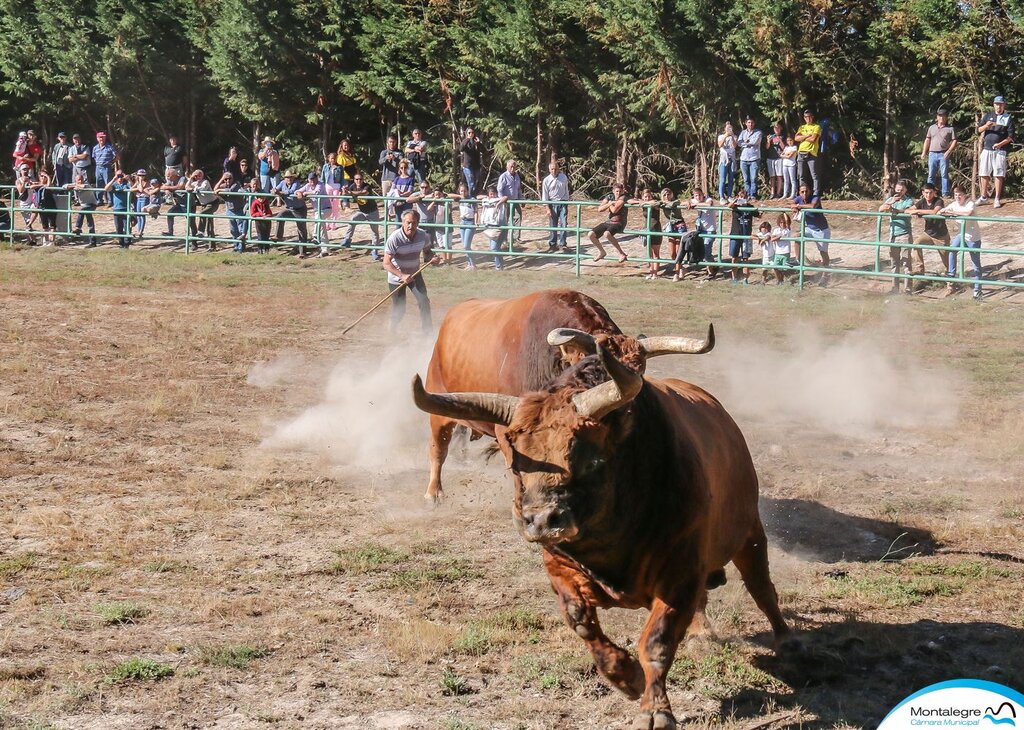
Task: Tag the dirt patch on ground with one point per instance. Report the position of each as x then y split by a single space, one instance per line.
213 515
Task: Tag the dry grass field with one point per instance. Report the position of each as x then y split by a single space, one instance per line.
212 514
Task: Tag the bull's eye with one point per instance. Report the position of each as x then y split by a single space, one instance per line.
589 465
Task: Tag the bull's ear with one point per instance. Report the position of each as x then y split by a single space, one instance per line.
482 407
599 401
654 346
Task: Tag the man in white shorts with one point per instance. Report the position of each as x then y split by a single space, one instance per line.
996 129
815 226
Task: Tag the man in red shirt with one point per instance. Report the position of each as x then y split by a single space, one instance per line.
33 153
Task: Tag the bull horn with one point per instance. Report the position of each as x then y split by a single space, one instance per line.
565 335
482 407
599 401
654 346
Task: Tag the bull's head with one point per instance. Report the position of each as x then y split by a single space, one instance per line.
558 444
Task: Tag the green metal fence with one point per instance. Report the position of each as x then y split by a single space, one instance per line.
327 233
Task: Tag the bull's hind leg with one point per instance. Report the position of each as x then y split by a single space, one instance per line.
752 562
441 429
612 661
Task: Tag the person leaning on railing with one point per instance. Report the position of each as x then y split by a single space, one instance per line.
900 231
969 237
233 194
86 198
25 191
47 207
118 189
652 222
368 210
294 208
260 212
207 204
174 190
935 231
554 191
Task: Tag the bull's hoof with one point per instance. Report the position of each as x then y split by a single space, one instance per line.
434 498
789 645
660 720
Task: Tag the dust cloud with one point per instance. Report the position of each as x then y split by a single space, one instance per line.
858 385
366 417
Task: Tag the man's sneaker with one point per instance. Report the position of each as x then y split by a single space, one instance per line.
981 200
998 203
977 295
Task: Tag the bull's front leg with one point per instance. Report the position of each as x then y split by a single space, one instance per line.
664 629
612 661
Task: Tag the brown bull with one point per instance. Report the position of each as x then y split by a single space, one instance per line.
505 346
640 492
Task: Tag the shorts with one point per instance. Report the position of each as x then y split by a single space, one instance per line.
781 259
735 248
992 164
607 227
820 236
767 253
775 167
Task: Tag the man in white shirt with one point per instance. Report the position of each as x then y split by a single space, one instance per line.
402 253
555 187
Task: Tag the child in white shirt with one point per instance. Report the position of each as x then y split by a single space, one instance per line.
764 238
780 239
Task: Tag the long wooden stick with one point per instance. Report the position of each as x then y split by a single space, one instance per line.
390 294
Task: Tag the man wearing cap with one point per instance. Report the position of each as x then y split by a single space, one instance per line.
809 137
62 167
174 155
996 129
402 253
106 158
749 144
294 208
80 158
938 146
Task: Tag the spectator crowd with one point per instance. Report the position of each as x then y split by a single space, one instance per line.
785 164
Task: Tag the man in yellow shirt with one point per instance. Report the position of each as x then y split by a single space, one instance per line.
809 137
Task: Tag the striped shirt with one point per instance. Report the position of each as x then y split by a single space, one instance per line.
405 253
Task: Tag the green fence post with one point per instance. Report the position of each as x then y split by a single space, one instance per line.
188 223
803 251
579 243
878 243
12 215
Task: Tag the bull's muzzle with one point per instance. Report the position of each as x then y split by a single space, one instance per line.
548 524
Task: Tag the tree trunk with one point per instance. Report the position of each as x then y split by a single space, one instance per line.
887 160
540 149
255 146
977 156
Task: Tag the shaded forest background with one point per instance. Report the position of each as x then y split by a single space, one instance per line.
635 89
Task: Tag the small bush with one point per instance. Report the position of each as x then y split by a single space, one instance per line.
371 559
453 684
234 657
120 613
15 564
138 670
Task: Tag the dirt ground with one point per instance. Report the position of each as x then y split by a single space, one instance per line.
212 512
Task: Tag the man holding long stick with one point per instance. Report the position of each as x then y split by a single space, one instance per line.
402 262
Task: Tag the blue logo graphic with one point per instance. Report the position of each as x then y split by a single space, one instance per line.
993 716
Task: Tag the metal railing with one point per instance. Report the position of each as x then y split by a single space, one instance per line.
323 221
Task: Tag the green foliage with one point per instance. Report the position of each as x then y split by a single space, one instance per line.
627 88
234 657
138 670
119 613
453 684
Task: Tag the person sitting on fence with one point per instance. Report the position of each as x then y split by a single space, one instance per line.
294 208
236 201
175 193
900 231
368 210
86 198
401 188
651 209
319 203
969 237
780 240
494 216
615 205
763 237
260 212
118 189
207 204
935 231
807 205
